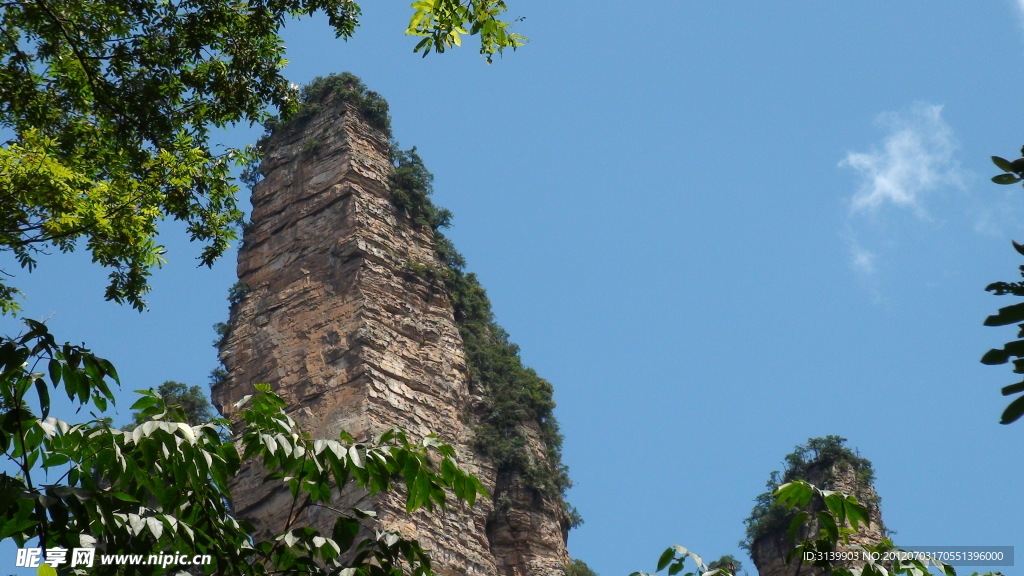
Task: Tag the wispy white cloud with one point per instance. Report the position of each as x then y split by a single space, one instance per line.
900 180
915 158
862 259
864 263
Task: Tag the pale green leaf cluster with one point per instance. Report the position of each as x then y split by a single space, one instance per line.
164 485
443 23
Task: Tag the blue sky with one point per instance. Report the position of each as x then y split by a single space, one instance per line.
719 229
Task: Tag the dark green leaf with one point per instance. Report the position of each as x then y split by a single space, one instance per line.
44 397
856 514
995 356
1002 163
1008 315
1013 388
54 368
1013 411
834 503
1005 179
796 524
665 558
828 525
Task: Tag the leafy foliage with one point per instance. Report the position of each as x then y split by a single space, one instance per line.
1013 170
826 451
1011 351
727 562
346 86
411 186
767 516
108 108
577 567
482 17
237 292
839 516
188 402
111 106
1014 314
163 486
674 559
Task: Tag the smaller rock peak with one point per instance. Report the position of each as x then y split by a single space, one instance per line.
828 464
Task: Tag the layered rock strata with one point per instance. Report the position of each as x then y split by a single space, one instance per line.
337 320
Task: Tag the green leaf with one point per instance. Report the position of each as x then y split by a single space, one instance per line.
1013 388
665 558
46 570
1013 412
796 524
345 531
1005 179
1008 315
147 400
995 356
54 368
834 503
355 457
1003 164
44 397
856 514
795 494
828 525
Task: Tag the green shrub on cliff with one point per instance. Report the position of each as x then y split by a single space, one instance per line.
768 517
815 554
515 396
345 86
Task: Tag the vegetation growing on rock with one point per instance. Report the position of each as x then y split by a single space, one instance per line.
515 396
191 401
346 86
577 567
817 455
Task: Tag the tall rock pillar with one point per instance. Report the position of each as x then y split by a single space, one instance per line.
337 320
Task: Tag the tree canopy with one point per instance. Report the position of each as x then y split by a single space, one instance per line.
163 487
108 109
107 119
191 401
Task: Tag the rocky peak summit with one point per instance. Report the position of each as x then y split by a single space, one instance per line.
356 308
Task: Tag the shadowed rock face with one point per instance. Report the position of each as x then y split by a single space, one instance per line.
353 340
769 552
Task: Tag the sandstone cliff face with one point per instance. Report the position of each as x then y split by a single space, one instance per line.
769 552
338 322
